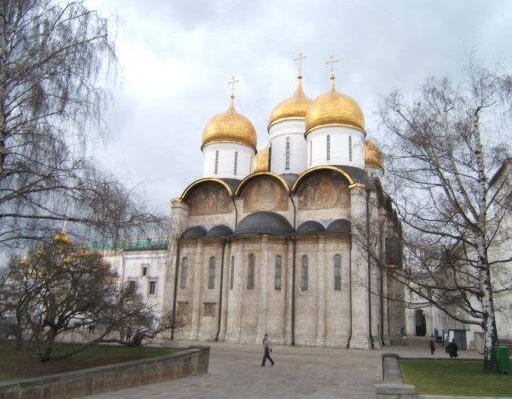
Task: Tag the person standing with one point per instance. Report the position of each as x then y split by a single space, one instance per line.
452 349
432 346
267 348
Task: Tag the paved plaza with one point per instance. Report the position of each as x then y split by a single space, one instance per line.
300 372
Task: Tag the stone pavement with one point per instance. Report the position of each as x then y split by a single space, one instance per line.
300 372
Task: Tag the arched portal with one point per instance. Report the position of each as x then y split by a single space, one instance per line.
420 323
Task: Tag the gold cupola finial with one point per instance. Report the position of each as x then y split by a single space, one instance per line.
297 105
334 108
230 126
331 63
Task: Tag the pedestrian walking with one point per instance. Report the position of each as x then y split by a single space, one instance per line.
267 348
432 345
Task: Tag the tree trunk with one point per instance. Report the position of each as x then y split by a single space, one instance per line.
3 79
50 341
489 318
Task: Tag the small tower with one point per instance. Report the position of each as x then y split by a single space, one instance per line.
335 129
286 129
229 143
373 160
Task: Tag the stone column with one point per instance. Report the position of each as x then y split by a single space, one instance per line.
322 267
288 294
179 222
225 291
374 277
196 296
263 261
360 313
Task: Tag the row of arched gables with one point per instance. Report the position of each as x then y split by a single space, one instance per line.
264 222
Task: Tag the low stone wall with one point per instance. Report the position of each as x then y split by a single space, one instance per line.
76 384
393 386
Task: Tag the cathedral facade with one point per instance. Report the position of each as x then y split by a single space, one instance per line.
267 241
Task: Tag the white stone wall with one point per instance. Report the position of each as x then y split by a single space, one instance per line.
129 266
339 147
226 160
292 130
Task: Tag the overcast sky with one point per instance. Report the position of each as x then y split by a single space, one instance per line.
175 58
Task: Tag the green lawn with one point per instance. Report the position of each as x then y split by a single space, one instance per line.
454 377
18 364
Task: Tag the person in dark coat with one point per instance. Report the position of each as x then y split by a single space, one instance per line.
452 349
432 346
267 348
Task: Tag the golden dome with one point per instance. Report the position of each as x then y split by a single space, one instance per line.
333 108
294 107
261 162
372 155
230 126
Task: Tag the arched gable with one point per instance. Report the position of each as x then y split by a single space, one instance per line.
208 196
263 191
298 181
323 188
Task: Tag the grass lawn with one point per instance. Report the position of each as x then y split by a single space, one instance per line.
454 377
19 364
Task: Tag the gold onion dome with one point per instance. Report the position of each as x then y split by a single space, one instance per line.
334 108
372 155
294 107
261 162
230 126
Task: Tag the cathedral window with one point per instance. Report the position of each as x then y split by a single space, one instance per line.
277 275
304 272
216 162
184 271
310 152
337 272
328 147
235 167
209 309
182 308
152 287
287 165
232 273
211 274
250 273
350 148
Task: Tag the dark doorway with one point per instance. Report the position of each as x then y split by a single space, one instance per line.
420 323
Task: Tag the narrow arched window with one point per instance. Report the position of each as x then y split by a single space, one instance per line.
337 272
277 273
304 272
211 274
287 158
310 152
232 273
216 162
235 166
350 148
250 273
184 271
328 143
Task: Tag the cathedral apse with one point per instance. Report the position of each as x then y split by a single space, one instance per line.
209 199
323 190
264 194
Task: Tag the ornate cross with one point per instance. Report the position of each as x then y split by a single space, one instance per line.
331 63
232 83
299 59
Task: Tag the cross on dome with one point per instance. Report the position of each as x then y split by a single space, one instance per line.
299 59
331 63
232 83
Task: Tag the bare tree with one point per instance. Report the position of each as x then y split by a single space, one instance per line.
444 146
62 289
53 56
